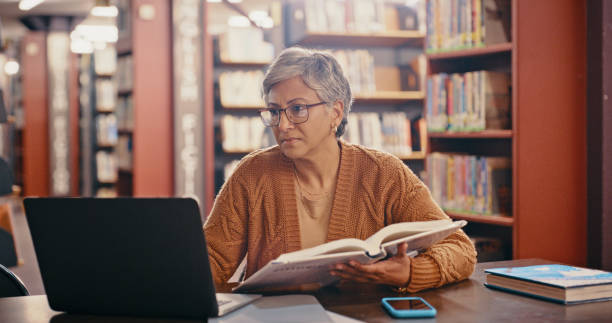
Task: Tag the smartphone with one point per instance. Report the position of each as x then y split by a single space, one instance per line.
408 307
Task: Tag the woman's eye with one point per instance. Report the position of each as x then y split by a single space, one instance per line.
274 112
297 108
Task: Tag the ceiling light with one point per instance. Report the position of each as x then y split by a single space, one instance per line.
11 67
26 5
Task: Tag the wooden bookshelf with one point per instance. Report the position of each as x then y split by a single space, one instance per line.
242 107
485 134
243 64
383 39
389 97
124 131
124 92
472 52
501 220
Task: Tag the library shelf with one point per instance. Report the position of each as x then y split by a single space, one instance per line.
124 92
389 96
106 145
105 110
500 220
485 134
472 52
124 131
125 171
253 64
108 182
383 39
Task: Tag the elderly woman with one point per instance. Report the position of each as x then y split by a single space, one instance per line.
313 187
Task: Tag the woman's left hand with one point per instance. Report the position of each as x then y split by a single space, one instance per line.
394 271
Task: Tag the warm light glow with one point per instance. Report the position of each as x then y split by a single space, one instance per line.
235 1
96 33
110 11
238 21
11 67
26 5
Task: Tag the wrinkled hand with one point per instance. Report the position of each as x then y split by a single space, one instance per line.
394 271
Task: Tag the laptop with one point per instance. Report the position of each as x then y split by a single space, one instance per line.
126 256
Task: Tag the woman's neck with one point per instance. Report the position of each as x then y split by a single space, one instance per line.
317 172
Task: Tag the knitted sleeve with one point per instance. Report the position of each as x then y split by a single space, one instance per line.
226 229
452 259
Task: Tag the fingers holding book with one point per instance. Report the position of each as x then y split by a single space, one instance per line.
393 271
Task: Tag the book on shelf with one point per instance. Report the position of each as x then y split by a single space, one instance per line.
312 265
460 24
244 44
244 134
471 184
388 131
106 166
105 95
358 67
557 283
241 89
124 152
106 129
472 101
125 74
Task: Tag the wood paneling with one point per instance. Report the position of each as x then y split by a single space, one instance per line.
36 130
152 99
550 153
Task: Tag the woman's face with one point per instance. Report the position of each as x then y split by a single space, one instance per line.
302 140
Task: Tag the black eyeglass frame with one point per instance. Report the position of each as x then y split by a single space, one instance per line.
306 106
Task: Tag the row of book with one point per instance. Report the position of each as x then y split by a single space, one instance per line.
241 88
106 167
358 67
106 129
243 134
124 152
106 95
107 192
362 16
125 113
124 75
460 24
471 184
244 44
392 132
472 101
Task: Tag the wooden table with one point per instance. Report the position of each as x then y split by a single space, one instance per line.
467 301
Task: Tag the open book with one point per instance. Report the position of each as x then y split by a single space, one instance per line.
312 265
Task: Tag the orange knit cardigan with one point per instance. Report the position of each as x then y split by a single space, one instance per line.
256 212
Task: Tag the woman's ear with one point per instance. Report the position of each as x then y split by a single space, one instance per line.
337 112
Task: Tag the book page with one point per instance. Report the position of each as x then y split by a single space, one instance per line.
336 246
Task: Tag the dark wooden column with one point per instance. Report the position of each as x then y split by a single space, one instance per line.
599 133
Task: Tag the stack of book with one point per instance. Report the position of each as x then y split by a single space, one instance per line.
124 76
105 61
459 24
471 184
125 113
124 152
105 95
471 101
106 163
556 283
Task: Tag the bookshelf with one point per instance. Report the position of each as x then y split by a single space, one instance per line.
144 98
545 139
384 97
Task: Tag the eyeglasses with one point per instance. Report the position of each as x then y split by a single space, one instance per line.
297 113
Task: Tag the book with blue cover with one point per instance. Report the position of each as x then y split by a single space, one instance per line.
557 283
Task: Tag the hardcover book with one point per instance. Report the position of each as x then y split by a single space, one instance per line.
311 266
557 283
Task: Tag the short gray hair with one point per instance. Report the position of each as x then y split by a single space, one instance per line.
319 70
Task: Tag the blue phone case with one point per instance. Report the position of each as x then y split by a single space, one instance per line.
430 312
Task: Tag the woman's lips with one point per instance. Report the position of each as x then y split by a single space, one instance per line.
289 140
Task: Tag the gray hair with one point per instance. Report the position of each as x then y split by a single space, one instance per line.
319 70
